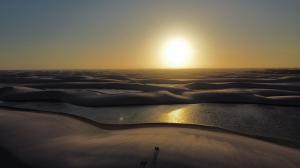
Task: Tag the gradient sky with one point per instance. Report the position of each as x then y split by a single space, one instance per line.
95 34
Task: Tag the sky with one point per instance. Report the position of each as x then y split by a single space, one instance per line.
129 34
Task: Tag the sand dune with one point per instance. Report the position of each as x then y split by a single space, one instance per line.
247 85
86 97
30 139
272 87
105 85
48 140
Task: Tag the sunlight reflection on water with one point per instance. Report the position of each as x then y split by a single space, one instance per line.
182 115
269 121
176 116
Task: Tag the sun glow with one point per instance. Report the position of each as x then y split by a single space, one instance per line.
177 53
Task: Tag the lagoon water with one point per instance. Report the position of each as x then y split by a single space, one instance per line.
262 102
262 120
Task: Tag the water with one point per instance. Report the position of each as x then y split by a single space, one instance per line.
262 120
140 87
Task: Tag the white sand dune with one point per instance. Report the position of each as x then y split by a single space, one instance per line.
30 139
271 87
106 85
50 140
85 97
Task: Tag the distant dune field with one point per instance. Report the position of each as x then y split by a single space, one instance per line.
115 88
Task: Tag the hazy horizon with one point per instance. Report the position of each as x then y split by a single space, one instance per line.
133 34
147 69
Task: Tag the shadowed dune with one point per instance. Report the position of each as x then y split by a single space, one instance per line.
10 161
86 97
85 88
91 98
39 139
288 87
106 85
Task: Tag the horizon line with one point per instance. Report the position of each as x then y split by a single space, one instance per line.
132 69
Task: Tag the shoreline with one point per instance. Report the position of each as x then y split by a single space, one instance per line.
105 126
41 139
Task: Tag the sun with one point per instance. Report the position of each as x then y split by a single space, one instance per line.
177 53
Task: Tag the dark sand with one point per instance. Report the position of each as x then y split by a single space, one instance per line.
50 140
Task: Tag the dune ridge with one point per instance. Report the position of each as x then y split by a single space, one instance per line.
271 87
89 98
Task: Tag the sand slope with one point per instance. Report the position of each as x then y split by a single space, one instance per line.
85 88
48 140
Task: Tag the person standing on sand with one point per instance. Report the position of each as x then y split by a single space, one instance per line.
155 157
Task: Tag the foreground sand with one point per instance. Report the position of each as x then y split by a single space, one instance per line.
50 140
